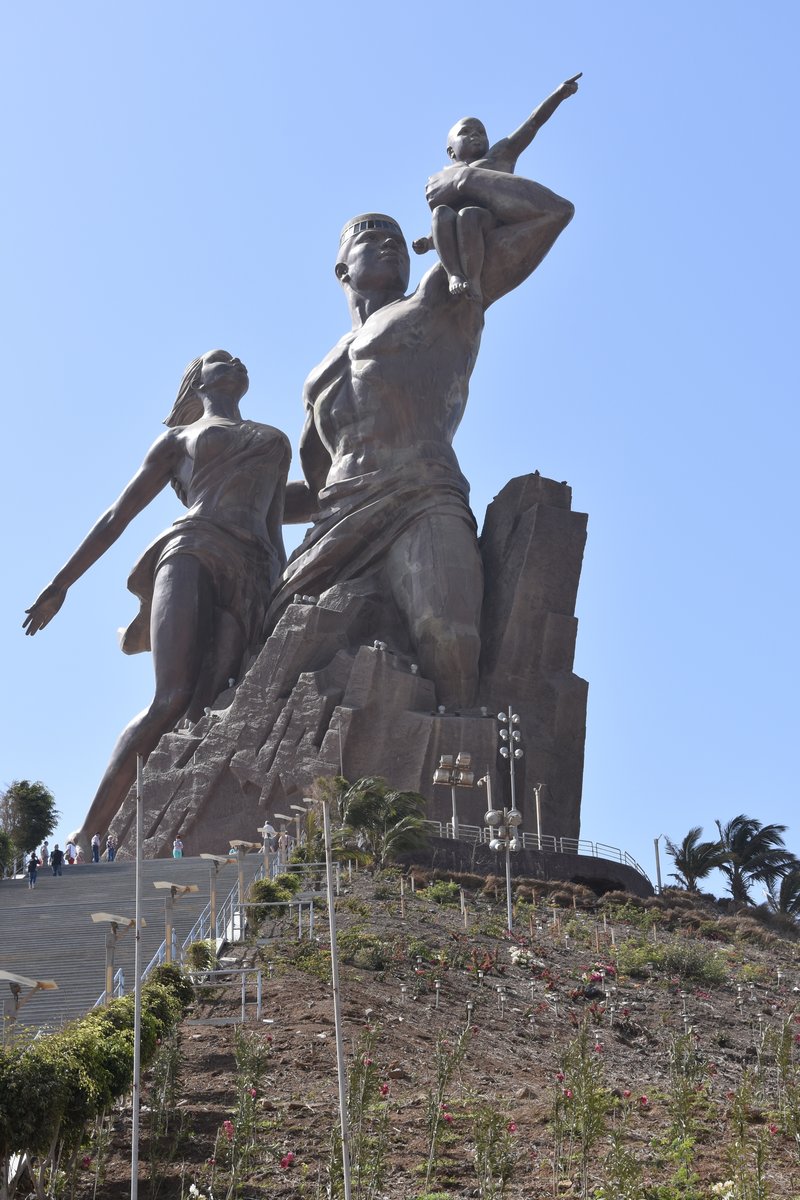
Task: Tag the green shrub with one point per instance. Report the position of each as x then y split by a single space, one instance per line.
173 979
290 881
747 929
688 960
200 956
51 1089
443 891
264 892
309 956
363 949
714 931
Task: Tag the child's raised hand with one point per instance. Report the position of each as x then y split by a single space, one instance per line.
570 86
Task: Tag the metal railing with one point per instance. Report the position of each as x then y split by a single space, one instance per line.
117 990
544 842
231 919
227 927
204 976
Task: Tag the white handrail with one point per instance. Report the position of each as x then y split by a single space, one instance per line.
546 843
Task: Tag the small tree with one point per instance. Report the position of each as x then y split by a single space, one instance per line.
693 859
380 822
28 814
6 852
785 896
752 853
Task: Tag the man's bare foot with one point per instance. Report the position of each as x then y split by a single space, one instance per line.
422 245
458 285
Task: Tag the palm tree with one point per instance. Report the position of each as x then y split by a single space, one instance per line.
787 898
752 853
379 822
693 859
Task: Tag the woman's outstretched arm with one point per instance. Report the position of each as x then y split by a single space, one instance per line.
153 475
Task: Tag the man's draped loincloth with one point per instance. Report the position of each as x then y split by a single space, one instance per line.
361 518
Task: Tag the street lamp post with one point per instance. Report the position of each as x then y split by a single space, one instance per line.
504 824
454 773
656 840
117 926
282 855
537 793
341 1070
17 982
241 848
216 861
297 809
510 749
176 890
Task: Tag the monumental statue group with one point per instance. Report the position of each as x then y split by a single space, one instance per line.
391 557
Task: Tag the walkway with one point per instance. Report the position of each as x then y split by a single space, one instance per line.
48 933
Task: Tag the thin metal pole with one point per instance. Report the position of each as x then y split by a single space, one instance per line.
511 756
111 939
455 814
337 1016
212 902
537 793
658 863
168 904
509 906
137 985
341 756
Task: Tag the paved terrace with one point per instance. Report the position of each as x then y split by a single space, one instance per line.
47 932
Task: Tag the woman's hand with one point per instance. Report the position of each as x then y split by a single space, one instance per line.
44 609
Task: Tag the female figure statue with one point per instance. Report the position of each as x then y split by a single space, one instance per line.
204 583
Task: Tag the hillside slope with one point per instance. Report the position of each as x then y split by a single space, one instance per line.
651 1048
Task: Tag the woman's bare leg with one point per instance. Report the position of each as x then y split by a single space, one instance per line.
223 661
181 628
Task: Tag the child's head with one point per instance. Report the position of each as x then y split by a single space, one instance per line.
467 140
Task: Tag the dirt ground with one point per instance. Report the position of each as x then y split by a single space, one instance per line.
522 1016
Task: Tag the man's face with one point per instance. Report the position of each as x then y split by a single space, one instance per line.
467 140
375 260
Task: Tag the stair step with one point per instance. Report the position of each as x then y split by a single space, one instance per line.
47 932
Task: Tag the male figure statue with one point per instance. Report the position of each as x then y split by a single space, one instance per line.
382 483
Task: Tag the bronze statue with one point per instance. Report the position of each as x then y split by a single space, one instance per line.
382 483
204 583
458 236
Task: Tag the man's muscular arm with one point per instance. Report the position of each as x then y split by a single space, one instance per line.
531 218
302 495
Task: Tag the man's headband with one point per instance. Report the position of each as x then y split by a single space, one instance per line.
368 221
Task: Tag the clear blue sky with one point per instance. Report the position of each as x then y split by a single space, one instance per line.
176 176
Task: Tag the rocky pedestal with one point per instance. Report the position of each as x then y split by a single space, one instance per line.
334 689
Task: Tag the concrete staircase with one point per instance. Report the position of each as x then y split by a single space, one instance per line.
47 932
